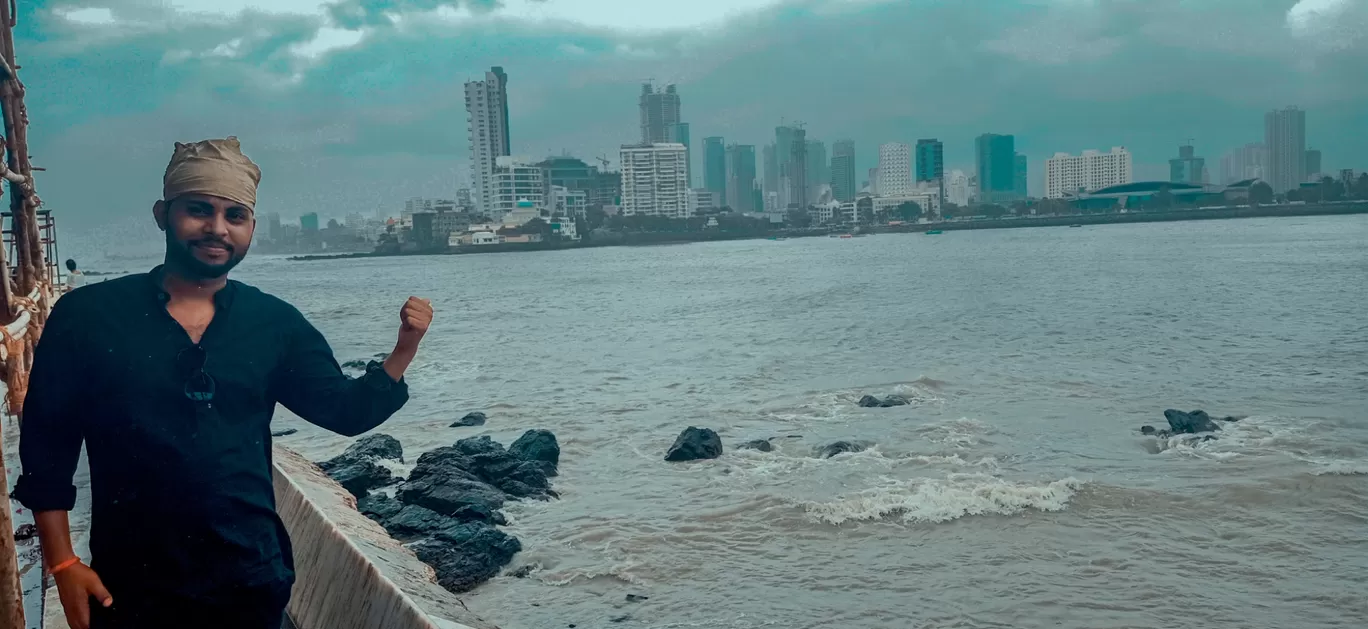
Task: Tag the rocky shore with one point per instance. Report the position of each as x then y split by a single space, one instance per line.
448 509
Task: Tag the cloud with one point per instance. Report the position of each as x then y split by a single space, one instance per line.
357 103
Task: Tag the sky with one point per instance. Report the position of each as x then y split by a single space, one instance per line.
356 105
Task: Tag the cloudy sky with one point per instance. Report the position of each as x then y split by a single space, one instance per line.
354 105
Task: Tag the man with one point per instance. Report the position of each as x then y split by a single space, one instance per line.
75 278
171 378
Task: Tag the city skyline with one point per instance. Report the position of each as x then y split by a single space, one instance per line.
333 132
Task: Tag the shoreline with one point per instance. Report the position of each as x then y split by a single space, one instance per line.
1343 208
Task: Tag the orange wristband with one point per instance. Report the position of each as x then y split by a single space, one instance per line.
64 565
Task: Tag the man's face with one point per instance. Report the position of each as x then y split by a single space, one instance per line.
206 236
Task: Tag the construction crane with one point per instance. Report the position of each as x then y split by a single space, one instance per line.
603 160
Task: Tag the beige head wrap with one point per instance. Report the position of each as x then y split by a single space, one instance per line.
213 167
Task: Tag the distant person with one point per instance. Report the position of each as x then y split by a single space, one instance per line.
75 278
170 378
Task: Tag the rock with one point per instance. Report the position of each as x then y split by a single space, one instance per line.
25 532
538 445
359 476
1208 438
354 364
870 401
1190 423
284 433
471 419
450 493
467 555
378 507
413 522
894 400
623 618
637 598
523 572
694 444
839 447
762 445
1232 418
1147 430
377 446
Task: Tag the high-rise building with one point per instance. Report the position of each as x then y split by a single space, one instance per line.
741 178
1070 174
274 233
487 125
843 171
798 175
655 180
818 169
930 160
895 169
1187 167
517 180
957 188
659 114
1285 137
715 166
1247 162
873 183
771 182
680 133
1312 170
995 160
1021 177
308 222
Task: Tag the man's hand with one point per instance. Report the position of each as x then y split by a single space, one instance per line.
414 319
77 585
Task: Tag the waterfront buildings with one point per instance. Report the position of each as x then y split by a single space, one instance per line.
487 127
1187 167
1312 170
957 188
1247 162
655 180
516 179
1285 138
1067 174
741 178
659 114
843 171
895 169
715 166
996 166
930 160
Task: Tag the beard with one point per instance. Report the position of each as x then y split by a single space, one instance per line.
181 255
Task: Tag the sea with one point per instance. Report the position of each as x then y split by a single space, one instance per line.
1014 491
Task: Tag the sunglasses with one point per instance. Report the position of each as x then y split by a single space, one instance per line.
199 385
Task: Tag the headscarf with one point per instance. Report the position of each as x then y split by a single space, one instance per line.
212 167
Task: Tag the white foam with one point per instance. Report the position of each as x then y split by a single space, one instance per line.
942 500
1338 467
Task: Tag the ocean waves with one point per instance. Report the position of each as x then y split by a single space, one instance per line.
935 500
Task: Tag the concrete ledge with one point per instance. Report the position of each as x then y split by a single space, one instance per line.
349 572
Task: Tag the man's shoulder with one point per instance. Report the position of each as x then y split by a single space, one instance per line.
263 301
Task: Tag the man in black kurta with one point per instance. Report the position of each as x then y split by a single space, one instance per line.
170 378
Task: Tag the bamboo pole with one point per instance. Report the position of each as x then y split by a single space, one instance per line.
31 272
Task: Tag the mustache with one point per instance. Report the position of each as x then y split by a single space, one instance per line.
212 241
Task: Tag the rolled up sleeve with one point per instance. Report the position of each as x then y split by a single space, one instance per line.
50 432
310 383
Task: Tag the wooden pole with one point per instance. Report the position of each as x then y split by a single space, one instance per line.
29 261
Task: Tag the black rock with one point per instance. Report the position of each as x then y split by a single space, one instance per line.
637 598
467 555
377 446
483 444
284 433
354 364
623 618
1147 430
1190 423
359 476
25 532
378 507
833 449
523 572
1232 418
1209 438
894 400
471 419
762 445
870 401
694 444
448 493
538 445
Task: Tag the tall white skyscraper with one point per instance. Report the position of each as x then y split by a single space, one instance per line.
655 180
1093 170
487 124
895 169
1285 137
